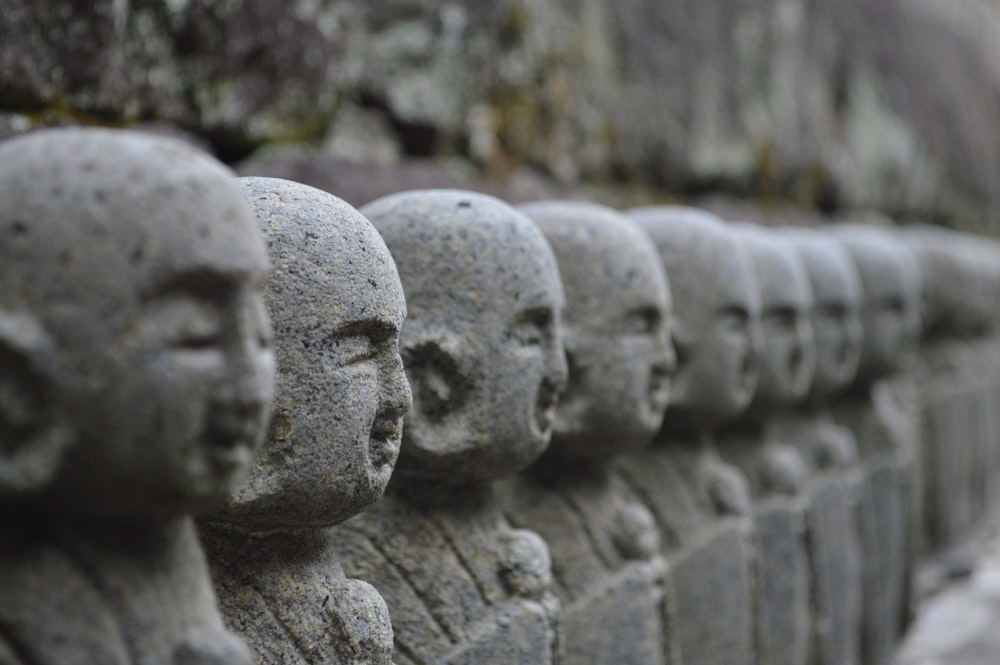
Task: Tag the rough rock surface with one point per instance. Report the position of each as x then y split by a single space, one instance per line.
887 104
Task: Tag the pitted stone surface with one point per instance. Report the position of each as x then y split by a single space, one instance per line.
136 387
717 307
617 330
701 504
337 307
604 542
483 351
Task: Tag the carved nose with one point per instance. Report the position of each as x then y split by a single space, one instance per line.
668 366
398 398
557 371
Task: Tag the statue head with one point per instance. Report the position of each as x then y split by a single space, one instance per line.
943 293
890 310
616 329
482 345
716 313
337 309
789 357
138 372
836 314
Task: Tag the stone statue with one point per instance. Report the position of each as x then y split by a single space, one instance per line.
483 351
881 414
604 542
136 387
337 307
776 471
830 450
956 371
701 505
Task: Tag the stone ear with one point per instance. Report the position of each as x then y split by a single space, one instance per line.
437 380
31 446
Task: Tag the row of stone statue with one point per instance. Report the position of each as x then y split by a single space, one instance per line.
630 438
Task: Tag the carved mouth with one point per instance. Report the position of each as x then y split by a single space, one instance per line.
795 363
384 439
659 386
230 444
545 407
748 373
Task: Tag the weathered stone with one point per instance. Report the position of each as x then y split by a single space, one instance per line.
773 464
483 351
885 430
826 102
337 307
136 388
956 374
831 452
604 543
701 504
356 183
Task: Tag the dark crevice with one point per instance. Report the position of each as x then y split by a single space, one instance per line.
416 139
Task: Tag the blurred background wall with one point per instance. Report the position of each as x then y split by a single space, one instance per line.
817 105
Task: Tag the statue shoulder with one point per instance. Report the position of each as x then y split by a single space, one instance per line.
52 611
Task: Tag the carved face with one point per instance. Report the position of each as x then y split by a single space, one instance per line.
786 308
723 364
618 322
717 310
338 308
891 321
160 365
836 317
890 313
483 343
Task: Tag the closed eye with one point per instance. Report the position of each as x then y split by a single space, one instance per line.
354 349
642 321
360 341
532 327
189 324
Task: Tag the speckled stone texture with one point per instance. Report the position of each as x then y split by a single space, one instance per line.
483 351
701 505
136 386
773 464
337 307
830 450
886 427
604 542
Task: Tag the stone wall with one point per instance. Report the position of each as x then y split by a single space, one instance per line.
827 104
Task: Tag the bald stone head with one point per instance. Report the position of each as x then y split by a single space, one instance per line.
717 315
836 314
138 373
890 312
616 329
337 309
945 287
789 357
482 345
